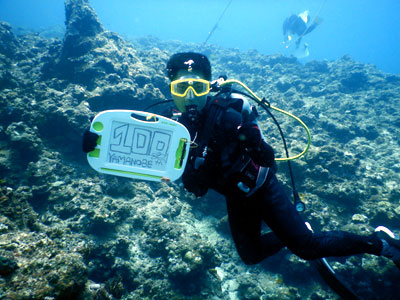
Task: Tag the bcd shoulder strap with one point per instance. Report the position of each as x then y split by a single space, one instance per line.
215 106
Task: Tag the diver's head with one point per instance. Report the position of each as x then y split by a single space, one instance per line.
190 75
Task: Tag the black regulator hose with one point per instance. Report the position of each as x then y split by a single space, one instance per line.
300 206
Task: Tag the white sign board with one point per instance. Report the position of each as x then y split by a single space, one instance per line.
139 145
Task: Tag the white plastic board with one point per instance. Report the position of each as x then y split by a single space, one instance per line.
139 145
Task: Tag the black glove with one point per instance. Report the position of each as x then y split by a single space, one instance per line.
249 135
264 156
89 141
193 180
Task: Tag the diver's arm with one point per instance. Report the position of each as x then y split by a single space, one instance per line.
253 139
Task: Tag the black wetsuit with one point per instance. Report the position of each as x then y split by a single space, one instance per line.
221 169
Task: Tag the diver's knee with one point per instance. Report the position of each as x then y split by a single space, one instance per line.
248 260
249 255
303 248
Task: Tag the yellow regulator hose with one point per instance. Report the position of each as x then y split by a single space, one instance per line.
262 102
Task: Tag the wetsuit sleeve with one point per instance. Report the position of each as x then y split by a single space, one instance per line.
251 137
193 178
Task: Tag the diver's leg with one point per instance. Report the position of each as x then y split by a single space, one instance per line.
283 219
310 28
245 222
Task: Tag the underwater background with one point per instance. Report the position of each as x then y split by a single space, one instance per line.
367 30
67 232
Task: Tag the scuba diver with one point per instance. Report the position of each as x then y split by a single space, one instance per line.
298 25
229 154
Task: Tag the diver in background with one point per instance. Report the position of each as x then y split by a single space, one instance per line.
298 25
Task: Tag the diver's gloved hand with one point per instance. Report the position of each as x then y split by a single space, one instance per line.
249 135
264 155
89 141
194 180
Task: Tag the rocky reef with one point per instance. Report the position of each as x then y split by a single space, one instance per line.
70 233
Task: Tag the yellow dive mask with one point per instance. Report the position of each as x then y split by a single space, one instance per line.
181 87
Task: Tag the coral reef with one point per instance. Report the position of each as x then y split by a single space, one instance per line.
70 233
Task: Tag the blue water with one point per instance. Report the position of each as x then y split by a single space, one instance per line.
367 30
